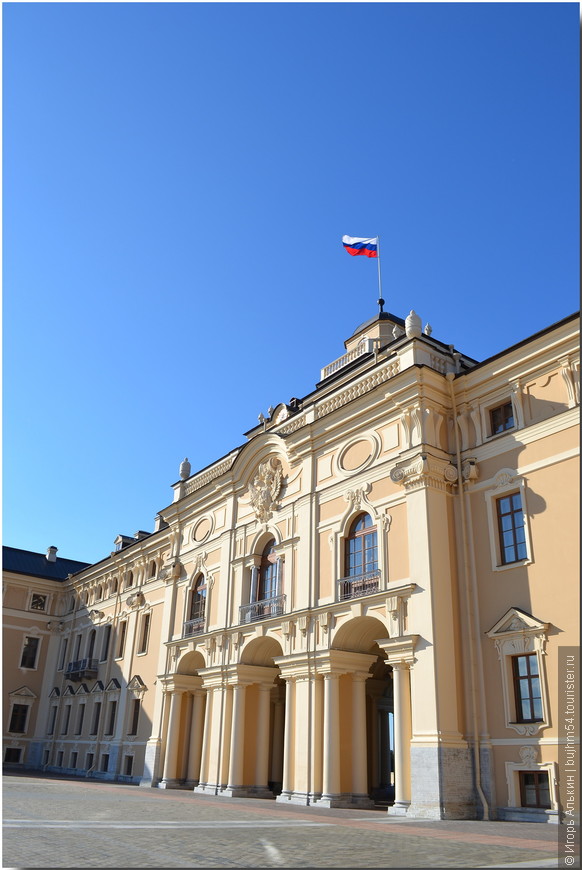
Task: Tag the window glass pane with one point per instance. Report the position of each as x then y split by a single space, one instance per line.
544 790
537 708
516 501
521 552
521 664
504 505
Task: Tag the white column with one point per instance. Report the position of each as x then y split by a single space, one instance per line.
359 743
402 736
206 737
237 737
196 732
277 759
288 745
317 736
172 740
263 721
331 773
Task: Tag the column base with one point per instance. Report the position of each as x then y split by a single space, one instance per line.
246 791
206 788
294 797
331 801
172 783
191 784
399 808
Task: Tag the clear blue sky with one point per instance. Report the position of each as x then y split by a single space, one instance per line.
177 179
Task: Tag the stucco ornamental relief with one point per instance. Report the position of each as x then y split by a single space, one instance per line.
264 489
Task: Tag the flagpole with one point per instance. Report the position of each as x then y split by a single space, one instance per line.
380 299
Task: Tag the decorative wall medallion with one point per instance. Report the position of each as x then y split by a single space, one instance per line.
265 488
357 455
528 754
202 529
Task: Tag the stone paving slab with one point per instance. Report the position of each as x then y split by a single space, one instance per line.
51 822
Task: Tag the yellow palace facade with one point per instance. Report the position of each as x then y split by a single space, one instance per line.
362 604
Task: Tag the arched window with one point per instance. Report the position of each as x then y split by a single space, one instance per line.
268 573
91 644
198 600
99 593
114 584
129 581
152 569
361 553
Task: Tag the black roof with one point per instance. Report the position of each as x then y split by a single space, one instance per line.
37 564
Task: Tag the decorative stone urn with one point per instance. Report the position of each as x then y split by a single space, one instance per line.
413 325
185 469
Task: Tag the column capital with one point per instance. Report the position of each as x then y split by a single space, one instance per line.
424 470
399 650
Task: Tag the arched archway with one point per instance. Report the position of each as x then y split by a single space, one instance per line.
366 712
264 718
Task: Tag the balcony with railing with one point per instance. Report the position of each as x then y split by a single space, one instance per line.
365 346
194 626
262 609
82 669
358 585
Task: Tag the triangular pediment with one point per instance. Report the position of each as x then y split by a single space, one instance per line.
82 690
112 685
136 684
22 692
55 693
98 687
69 691
516 620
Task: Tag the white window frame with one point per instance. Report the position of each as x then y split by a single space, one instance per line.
26 700
31 634
528 764
517 634
506 482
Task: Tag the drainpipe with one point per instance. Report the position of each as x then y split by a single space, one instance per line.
470 607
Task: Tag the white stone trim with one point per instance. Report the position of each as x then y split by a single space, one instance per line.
505 482
517 633
512 770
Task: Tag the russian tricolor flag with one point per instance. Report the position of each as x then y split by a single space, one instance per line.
366 247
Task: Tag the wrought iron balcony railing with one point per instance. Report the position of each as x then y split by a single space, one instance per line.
358 585
262 609
81 669
194 626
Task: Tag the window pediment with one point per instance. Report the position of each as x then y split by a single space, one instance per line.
22 692
517 621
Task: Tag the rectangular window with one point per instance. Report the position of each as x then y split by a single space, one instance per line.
66 720
121 641
18 718
96 717
134 716
511 526
45 757
73 762
29 652
77 647
526 681
89 760
105 762
501 418
52 719
80 719
111 721
128 765
63 656
105 644
145 630
38 602
534 788
12 755
60 758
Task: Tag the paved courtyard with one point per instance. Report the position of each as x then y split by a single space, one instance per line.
51 822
